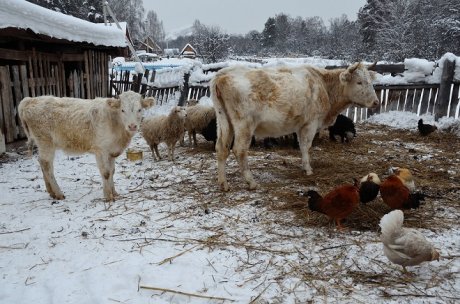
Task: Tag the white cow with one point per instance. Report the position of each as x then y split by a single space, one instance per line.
272 102
102 126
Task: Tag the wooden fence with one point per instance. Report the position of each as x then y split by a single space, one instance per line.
32 73
424 98
123 81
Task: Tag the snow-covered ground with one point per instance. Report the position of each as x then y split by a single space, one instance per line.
173 232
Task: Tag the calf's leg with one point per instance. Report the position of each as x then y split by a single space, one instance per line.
112 169
46 160
104 164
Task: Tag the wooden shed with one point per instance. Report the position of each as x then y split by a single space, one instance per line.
43 52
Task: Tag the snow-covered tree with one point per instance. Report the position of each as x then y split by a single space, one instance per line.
210 41
154 27
90 10
269 33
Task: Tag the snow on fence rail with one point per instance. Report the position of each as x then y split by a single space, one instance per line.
435 92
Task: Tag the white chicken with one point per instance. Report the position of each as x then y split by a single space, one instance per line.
404 246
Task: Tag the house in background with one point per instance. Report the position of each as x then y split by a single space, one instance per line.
188 52
171 53
149 46
69 58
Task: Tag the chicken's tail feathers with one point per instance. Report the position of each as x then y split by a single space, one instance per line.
391 223
415 200
314 199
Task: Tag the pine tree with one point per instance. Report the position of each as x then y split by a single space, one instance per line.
269 34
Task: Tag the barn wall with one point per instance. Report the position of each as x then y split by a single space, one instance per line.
34 73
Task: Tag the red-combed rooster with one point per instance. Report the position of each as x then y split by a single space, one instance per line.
398 190
337 204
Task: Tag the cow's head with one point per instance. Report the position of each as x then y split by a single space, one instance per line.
357 81
129 105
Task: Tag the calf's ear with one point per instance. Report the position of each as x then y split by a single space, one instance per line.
345 77
148 102
114 103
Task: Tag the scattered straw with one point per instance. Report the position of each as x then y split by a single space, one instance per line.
185 293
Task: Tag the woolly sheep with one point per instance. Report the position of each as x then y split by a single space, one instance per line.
165 128
198 118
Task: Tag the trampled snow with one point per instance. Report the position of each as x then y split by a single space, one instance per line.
156 235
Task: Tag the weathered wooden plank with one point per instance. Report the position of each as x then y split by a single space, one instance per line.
444 89
87 75
41 79
81 83
31 77
8 105
24 81
454 100
17 99
2 142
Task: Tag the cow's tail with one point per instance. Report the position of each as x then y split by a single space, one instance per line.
225 131
25 126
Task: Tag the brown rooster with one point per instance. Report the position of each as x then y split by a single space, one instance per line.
337 204
398 190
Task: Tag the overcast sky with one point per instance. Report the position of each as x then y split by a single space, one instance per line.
242 16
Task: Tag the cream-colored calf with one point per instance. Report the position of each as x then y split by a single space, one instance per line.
101 126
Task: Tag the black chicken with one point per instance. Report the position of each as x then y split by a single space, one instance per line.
425 129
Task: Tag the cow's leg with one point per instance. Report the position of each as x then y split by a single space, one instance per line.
103 163
112 169
223 143
46 160
243 134
305 136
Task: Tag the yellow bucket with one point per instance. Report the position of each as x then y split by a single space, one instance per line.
133 155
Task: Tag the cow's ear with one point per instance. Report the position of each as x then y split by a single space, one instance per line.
345 77
148 102
114 103
373 74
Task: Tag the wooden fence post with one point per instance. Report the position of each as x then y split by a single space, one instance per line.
444 89
184 91
136 83
2 142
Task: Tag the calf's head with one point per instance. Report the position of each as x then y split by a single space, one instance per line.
129 106
357 81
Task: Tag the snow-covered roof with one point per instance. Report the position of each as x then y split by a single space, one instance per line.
24 15
188 48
